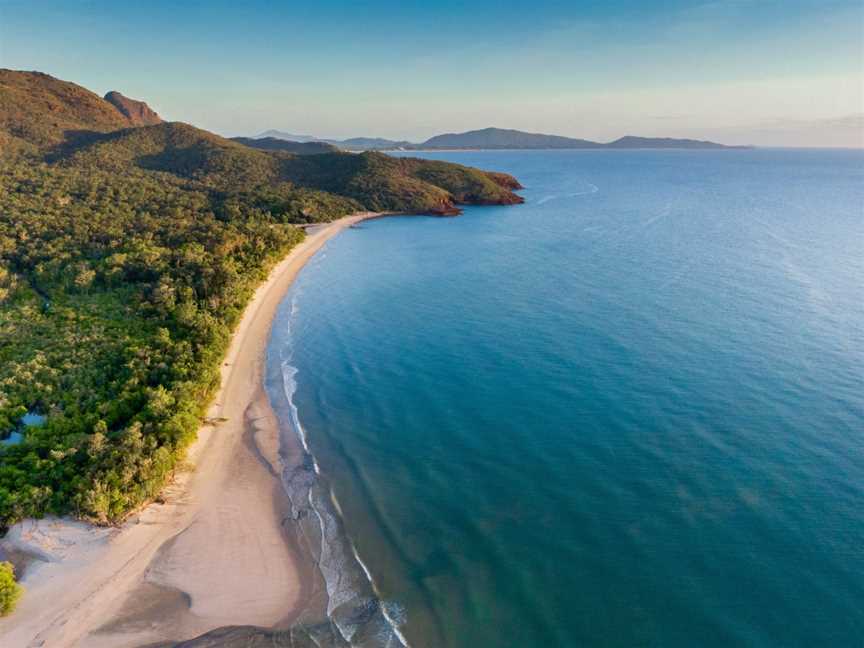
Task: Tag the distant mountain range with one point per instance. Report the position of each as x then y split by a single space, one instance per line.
498 138
352 144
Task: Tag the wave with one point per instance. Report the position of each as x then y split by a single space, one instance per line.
592 188
354 607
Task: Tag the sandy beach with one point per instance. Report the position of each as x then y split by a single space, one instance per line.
211 552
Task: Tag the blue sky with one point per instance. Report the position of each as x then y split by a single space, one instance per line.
760 71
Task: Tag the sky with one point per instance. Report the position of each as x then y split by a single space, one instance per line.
764 72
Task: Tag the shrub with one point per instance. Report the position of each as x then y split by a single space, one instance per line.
10 590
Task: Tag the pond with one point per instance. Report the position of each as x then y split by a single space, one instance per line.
30 419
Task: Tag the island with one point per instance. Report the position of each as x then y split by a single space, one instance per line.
494 139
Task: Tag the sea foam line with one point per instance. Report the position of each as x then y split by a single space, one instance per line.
592 188
289 382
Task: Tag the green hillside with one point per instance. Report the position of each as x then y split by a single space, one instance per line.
276 144
385 183
179 149
374 180
127 256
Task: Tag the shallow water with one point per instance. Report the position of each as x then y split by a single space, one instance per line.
30 419
628 412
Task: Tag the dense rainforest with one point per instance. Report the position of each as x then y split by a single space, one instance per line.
127 255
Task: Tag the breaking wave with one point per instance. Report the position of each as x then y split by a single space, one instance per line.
353 605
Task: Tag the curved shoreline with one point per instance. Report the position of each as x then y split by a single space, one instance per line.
354 608
213 551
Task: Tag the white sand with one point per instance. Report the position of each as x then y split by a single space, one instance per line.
213 554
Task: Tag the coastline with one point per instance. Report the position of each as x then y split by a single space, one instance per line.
213 551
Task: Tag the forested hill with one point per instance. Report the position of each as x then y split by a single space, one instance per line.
127 255
37 110
351 144
62 123
276 144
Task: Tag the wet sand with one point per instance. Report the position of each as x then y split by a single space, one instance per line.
218 549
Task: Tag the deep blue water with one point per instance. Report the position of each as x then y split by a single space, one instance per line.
627 413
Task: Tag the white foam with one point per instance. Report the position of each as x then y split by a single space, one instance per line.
333 563
592 188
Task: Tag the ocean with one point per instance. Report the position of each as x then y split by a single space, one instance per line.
629 412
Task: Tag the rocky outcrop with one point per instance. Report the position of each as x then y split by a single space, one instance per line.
504 180
445 208
451 207
40 111
137 112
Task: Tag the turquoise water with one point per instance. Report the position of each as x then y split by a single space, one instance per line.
627 413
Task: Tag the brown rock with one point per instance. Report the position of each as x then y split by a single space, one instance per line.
137 112
504 180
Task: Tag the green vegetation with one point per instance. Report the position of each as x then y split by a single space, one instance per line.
10 590
124 292
373 180
384 183
274 144
126 259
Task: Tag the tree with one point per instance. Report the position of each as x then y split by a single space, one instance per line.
10 590
84 277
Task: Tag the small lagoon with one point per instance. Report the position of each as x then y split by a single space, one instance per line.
30 419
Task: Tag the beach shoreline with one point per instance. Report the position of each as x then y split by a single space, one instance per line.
215 550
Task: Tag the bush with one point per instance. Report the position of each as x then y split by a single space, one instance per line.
10 590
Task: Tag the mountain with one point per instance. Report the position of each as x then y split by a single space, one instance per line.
127 255
351 144
374 180
137 112
179 149
498 138
277 134
277 144
631 142
369 143
385 183
66 124
38 110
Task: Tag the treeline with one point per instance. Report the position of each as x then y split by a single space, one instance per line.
126 258
118 294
